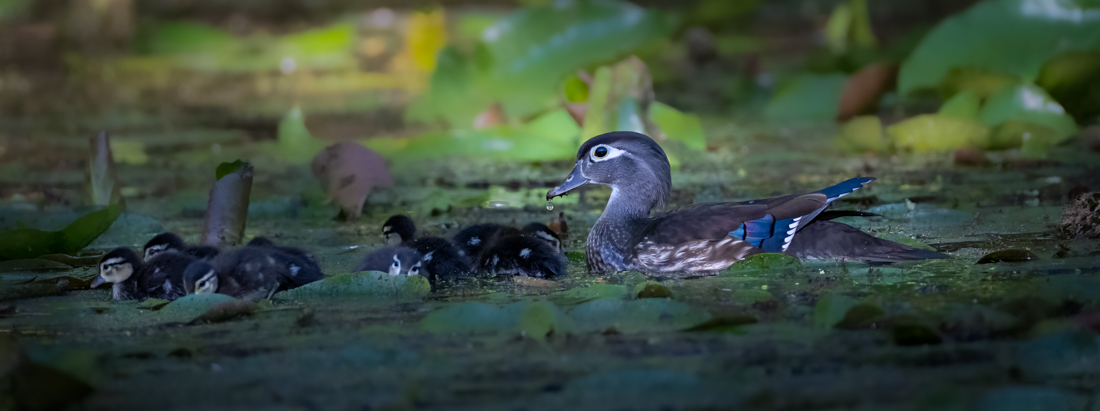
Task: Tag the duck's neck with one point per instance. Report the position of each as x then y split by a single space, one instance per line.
611 236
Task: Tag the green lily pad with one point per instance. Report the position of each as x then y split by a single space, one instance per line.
32 264
934 132
1014 36
652 289
26 243
811 97
763 263
831 310
529 317
367 284
594 291
863 133
191 306
647 314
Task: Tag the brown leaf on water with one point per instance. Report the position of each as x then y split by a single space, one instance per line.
348 171
225 312
864 89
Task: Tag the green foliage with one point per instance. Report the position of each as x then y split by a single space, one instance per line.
24 243
367 284
576 90
1012 36
936 132
849 25
678 125
863 133
647 314
810 97
964 105
225 169
1027 102
1070 78
481 318
523 57
293 140
831 310
763 263
191 306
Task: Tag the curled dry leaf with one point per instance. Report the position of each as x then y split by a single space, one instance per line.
559 226
864 89
348 171
227 207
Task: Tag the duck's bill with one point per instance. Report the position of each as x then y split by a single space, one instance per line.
575 179
97 282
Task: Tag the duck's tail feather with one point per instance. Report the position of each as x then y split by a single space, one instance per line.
832 240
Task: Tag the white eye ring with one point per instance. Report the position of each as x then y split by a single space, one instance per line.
612 152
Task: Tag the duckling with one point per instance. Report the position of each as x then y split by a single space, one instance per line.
544 233
250 273
301 264
396 260
134 279
441 258
475 239
169 241
523 255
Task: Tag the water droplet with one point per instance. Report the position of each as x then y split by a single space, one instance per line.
549 205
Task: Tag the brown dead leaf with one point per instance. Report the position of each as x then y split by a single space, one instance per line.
865 88
348 171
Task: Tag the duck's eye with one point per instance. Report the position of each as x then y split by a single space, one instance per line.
600 152
396 264
202 284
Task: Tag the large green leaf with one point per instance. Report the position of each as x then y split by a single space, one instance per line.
678 125
1013 36
811 97
367 284
25 243
1028 102
535 48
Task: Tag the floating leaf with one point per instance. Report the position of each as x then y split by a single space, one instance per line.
24 243
863 133
864 89
934 132
481 318
1016 36
32 265
192 306
1011 256
226 311
1028 102
362 285
762 263
582 294
860 316
100 181
652 289
723 324
648 314
811 97
831 310
227 206
679 126
348 172
1070 78
539 319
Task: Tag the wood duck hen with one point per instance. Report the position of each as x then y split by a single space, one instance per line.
705 237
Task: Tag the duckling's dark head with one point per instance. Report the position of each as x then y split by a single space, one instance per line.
163 242
200 278
261 242
116 266
544 233
632 164
398 229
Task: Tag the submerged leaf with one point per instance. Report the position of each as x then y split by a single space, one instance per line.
1009 256
227 206
348 172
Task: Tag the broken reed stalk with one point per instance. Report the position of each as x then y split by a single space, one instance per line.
227 207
